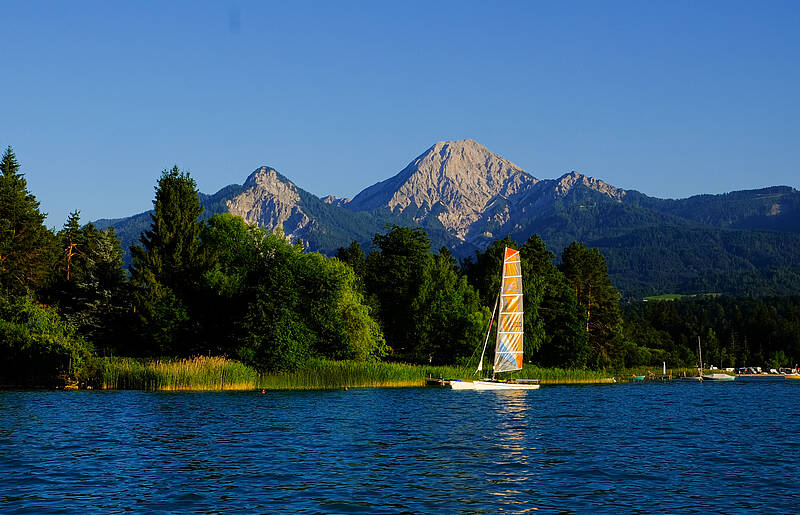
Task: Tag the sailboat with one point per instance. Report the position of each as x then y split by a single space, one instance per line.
508 345
710 377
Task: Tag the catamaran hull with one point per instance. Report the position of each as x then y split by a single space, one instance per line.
491 385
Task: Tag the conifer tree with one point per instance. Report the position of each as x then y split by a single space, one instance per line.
169 249
565 341
587 273
27 247
167 266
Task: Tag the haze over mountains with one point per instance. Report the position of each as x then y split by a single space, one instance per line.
465 196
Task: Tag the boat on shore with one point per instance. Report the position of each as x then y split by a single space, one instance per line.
508 344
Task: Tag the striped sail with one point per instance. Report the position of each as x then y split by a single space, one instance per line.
508 349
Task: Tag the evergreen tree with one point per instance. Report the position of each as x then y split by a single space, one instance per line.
27 248
564 341
353 256
167 266
586 272
89 284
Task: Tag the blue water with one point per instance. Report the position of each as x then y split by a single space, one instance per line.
645 448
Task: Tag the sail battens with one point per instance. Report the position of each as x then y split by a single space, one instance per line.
508 347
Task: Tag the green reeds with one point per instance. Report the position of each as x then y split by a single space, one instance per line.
201 373
216 373
325 374
564 375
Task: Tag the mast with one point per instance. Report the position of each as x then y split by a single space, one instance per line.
700 355
486 341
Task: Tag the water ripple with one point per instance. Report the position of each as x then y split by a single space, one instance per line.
633 448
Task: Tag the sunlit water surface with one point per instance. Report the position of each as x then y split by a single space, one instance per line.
720 448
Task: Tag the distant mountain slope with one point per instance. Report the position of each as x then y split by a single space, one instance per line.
772 209
465 196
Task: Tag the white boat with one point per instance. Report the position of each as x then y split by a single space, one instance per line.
508 345
718 377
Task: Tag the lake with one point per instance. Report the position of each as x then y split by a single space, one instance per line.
630 448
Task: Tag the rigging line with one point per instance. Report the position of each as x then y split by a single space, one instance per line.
486 341
467 364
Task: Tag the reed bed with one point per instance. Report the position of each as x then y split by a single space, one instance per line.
216 373
324 374
565 375
201 373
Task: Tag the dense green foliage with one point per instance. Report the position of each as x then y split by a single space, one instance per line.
27 249
429 313
734 332
89 285
226 287
36 345
217 286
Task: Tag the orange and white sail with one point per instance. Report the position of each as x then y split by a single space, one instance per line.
508 348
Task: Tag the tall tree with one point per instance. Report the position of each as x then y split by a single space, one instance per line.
564 340
449 317
168 264
27 248
395 271
587 273
89 284
353 256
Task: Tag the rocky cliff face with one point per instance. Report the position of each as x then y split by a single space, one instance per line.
270 200
454 182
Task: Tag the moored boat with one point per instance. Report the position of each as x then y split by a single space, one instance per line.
508 345
718 377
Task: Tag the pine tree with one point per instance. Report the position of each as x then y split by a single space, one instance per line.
565 341
167 266
169 249
27 248
587 273
89 285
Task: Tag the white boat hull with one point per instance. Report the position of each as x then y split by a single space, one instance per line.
718 377
491 385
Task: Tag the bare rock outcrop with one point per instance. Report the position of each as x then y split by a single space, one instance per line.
455 181
270 200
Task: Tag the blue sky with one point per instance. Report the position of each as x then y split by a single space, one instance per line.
669 98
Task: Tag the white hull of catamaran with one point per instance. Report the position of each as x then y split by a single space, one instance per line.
491 385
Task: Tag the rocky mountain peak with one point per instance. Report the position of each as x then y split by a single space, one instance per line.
270 200
453 181
567 182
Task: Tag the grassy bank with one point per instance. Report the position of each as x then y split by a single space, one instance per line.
214 373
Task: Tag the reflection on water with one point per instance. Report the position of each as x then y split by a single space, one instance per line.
619 448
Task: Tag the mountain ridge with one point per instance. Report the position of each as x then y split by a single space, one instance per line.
465 196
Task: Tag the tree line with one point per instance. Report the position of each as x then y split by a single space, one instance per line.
219 286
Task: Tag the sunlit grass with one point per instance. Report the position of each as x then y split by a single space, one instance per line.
201 373
216 373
